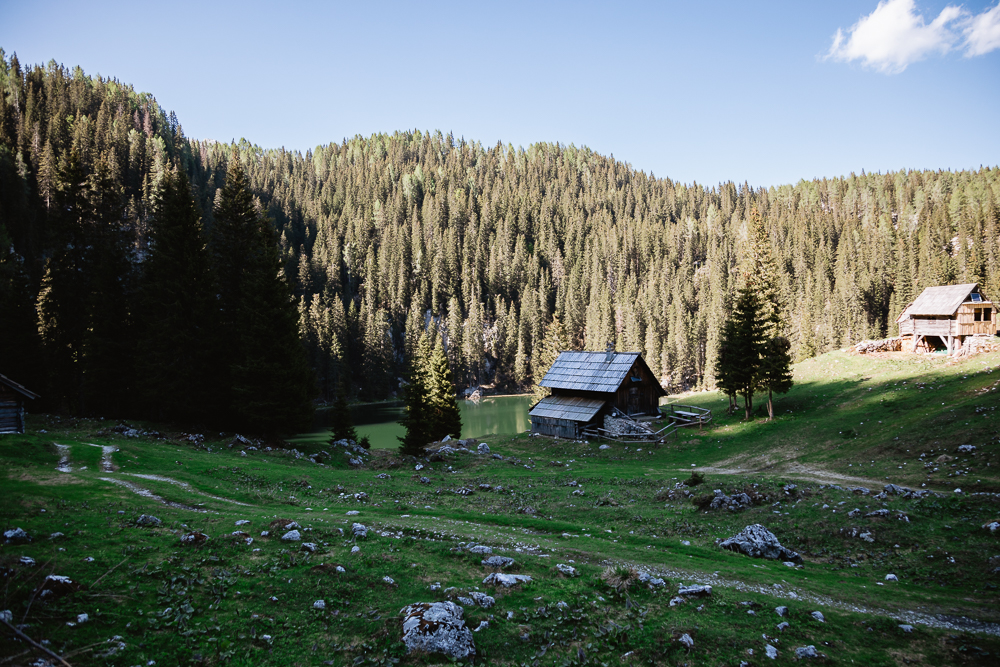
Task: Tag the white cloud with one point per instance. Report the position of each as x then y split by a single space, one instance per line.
895 36
982 33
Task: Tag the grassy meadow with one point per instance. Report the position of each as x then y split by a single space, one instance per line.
849 422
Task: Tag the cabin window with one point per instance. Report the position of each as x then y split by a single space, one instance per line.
977 315
987 314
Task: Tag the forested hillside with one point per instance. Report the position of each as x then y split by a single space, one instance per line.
379 233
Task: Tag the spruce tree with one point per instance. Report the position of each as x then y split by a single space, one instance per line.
747 344
177 311
445 418
270 386
341 424
416 418
776 370
554 341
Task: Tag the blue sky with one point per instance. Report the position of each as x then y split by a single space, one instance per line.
767 93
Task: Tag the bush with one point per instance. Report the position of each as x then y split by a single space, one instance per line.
695 479
620 577
702 500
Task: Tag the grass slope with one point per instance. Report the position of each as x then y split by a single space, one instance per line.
849 422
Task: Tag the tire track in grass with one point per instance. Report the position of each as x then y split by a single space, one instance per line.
146 493
185 486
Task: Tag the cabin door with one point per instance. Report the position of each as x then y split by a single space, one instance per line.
633 400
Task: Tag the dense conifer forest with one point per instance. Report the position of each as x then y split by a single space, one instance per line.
378 235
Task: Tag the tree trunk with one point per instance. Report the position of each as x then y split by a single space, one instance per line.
770 406
748 404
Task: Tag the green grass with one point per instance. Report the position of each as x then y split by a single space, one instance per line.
850 421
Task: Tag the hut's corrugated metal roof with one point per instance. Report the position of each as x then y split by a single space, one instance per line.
588 371
941 300
27 393
575 408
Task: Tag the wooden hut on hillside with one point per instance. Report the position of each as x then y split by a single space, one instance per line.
945 316
588 385
12 398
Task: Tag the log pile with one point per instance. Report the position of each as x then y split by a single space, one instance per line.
887 345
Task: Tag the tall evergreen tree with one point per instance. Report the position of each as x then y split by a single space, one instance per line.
177 311
270 386
776 370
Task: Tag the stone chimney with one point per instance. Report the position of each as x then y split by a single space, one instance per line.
609 357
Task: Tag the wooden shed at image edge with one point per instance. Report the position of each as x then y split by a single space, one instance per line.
945 316
12 398
586 386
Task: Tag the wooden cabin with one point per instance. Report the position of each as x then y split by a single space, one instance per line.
586 386
944 316
12 398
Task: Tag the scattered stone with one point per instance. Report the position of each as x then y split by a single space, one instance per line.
148 520
389 580
437 627
867 536
686 640
353 513
898 490
677 600
482 599
783 626
319 604
878 513
695 590
483 448
56 586
265 533
732 503
291 536
56 536
498 561
355 550
309 546
906 627
818 615
757 541
341 569
27 560
567 570
781 611
966 449
425 480
359 530
770 651
891 577
480 549
242 522
6 615
194 538
604 447
482 626
506 580
856 512
992 526
806 652
651 581
284 524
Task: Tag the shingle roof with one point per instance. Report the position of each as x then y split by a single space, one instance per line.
574 408
588 371
941 300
